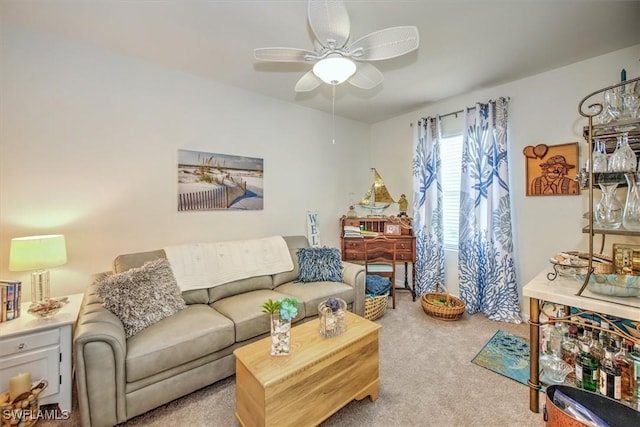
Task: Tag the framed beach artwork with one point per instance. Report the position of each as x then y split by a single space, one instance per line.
214 181
551 169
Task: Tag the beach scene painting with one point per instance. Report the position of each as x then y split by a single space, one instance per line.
213 181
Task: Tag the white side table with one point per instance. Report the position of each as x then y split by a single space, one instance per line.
43 348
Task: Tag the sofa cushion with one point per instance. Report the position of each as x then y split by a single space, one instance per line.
312 294
319 264
245 311
126 262
240 287
294 243
141 296
194 332
288 276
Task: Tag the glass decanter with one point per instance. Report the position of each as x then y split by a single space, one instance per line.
623 158
608 211
631 215
599 158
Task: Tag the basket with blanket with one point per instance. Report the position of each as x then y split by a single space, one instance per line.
377 296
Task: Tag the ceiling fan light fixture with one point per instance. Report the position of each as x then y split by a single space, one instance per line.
334 69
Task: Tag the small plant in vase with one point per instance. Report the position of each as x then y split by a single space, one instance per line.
282 313
332 317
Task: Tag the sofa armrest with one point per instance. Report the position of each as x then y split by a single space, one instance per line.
353 275
100 348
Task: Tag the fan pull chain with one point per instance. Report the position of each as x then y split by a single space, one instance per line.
333 114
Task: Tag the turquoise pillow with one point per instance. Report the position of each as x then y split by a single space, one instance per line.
319 265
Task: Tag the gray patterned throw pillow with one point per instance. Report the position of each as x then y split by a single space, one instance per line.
319 264
141 296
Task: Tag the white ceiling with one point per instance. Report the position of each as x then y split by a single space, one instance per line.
464 45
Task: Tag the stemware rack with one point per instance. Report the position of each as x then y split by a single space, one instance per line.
608 133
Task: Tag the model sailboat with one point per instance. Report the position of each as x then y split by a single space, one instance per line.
377 199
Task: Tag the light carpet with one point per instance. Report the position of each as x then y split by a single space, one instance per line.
426 379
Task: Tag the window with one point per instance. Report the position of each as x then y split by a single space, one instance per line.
451 158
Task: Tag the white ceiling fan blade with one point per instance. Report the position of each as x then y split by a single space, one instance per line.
308 82
284 54
329 21
385 44
366 76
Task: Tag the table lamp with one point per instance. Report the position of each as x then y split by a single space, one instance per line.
38 253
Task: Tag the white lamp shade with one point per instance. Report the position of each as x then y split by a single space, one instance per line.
37 252
334 69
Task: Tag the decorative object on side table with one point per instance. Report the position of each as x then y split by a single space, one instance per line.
47 309
617 285
331 313
282 312
39 253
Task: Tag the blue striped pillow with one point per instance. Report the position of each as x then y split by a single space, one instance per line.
319 264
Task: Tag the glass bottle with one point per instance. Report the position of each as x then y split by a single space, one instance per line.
555 337
631 214
586 369
569 350
608 211
597 351
635 377
610 376
625 363
595 346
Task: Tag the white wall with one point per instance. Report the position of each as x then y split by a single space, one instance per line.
89 140
89 145
543 110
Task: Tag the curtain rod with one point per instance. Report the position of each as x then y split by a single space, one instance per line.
441 116
455 113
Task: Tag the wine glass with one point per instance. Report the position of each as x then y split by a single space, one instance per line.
631 104
613 102
601 118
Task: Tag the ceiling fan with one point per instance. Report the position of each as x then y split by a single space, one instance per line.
335 60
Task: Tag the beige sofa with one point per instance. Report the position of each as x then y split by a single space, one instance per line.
119 378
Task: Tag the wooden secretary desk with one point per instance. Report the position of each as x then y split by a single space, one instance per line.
397 228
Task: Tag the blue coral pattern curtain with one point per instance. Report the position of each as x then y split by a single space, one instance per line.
427 207
486 270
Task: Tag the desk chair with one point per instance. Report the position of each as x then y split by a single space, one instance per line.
380 260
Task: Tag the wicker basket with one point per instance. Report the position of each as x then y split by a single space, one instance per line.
451 309
23 411
375 307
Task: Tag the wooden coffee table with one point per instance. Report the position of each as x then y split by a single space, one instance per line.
318 377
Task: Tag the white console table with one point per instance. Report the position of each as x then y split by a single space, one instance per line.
563 290
43 348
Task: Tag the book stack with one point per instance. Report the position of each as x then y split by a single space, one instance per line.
10 299
369 233
351 231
